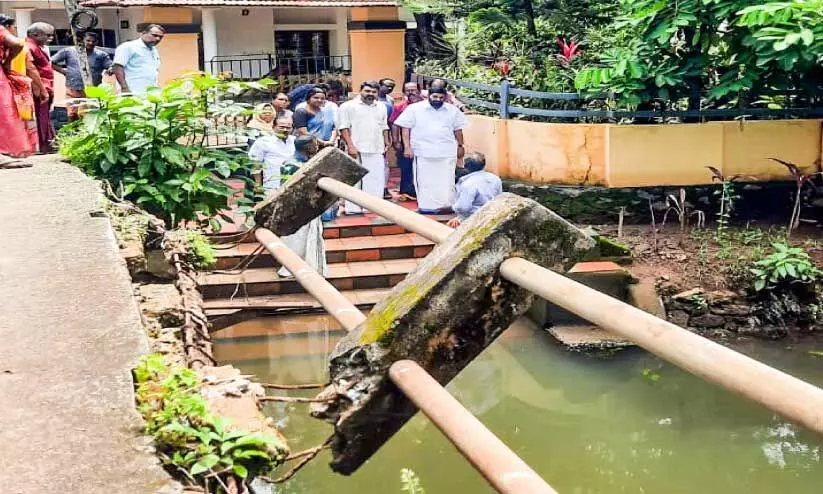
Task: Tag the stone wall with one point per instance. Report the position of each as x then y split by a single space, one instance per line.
600 205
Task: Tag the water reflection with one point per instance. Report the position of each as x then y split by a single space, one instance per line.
589 426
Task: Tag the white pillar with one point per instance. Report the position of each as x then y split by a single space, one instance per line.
209 27
340 35
22 19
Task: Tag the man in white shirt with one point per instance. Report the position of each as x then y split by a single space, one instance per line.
433 137
273 151
137 63
363 124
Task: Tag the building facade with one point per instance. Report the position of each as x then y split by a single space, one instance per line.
284 39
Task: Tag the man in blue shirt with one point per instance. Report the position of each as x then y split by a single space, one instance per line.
474 189
67 62
137 63
387 86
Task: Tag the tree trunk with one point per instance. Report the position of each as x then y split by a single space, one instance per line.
528 6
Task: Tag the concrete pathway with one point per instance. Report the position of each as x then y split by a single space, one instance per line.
69 334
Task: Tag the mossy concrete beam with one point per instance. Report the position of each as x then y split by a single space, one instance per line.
450 308
299 200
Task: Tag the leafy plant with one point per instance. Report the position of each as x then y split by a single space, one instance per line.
201 253
698 301
728 196
410 482
720 53
786 265
153 150
800 179
681 208
651 374
188 437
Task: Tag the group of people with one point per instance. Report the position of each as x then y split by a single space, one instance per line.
27 81
425 130
26 90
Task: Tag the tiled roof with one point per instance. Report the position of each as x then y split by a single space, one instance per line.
240 3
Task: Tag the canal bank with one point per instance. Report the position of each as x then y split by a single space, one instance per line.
71 334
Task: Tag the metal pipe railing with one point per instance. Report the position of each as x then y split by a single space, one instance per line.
789 396
490 456
417 223
504 470
338 306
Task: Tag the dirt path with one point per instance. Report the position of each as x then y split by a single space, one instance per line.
69 333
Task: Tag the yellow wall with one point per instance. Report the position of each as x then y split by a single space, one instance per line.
178 52
377 54
167 15
178 56
643 155
374 13
546 152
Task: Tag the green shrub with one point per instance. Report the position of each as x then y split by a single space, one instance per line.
200 251
152 149
188 437
785 266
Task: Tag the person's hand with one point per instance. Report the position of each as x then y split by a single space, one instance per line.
454 222
461 151
353 152
386 148
408 153
38 95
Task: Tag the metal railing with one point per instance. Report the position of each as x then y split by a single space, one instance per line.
791 397
288 71
507 101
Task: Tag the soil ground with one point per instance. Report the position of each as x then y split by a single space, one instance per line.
697 258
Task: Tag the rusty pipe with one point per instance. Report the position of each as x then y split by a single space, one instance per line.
501 466
427 227
337 305
789 396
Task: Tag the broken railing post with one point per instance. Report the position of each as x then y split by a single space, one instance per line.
300 200
446 311
313 282
491 457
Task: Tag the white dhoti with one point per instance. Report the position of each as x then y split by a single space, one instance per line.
374 182
307 242
434 181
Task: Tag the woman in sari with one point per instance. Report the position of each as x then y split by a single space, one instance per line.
16 102
307 242
312 119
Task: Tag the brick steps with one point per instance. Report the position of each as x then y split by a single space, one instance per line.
340 250
344 276
302 302
368 225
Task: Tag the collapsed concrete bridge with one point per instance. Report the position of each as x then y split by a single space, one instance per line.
456 302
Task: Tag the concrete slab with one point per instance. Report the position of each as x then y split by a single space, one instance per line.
70 332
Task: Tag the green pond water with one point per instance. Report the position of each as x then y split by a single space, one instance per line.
624 424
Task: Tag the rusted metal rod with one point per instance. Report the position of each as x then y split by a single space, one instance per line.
789 396
417 223
332 300
501 466
492 458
